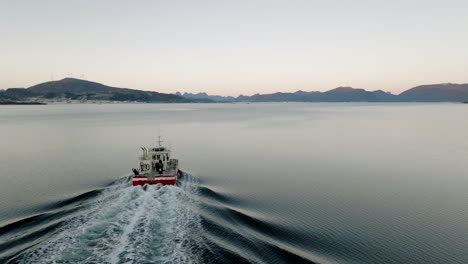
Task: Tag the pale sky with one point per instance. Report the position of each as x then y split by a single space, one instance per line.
235 47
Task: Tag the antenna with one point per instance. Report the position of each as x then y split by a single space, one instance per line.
159 138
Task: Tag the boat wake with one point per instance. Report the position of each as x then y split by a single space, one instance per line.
189 223
121 224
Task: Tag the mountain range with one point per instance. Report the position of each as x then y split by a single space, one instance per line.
216 98
447 92
70 89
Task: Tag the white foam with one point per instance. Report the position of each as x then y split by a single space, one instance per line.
127 224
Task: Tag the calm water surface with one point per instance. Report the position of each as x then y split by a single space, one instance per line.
262 183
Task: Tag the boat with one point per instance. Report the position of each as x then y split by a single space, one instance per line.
156 167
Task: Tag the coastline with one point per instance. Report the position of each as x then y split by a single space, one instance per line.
22 103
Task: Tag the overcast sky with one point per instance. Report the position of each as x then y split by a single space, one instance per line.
235 47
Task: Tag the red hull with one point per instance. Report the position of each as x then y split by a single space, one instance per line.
164 180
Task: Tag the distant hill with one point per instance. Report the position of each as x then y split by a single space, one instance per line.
424 93
348 94
16 94
298 96
217 98
340 94
449 92
76 89
70 85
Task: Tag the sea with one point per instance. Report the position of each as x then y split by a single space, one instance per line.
260 183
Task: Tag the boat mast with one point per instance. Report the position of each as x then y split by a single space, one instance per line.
159 138
159 141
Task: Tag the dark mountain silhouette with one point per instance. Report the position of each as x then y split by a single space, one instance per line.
217 98
348 94
298 96
16 94
76 89
449 92
70 85
424 93
340 94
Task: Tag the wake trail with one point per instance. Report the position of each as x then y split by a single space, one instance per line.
125 224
